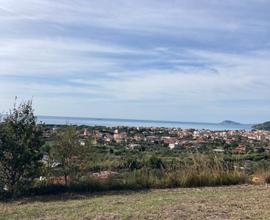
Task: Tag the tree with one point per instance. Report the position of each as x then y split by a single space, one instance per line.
20 148
66 151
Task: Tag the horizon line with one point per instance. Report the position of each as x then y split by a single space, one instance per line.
143 120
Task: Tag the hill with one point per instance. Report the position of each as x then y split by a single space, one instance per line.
228 122
263 126
235 202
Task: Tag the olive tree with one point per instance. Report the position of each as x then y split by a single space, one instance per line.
20 148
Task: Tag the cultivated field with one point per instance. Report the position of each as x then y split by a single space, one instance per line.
236 202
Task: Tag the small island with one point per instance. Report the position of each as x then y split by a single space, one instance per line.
228 122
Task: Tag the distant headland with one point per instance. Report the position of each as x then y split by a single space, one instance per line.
229 122
263 126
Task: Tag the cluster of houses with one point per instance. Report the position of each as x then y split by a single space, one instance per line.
176 138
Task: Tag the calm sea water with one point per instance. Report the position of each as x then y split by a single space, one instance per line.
140 123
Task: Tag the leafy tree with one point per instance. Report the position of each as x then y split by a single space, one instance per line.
20 148
66 151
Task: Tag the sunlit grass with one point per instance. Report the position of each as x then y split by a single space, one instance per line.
236 202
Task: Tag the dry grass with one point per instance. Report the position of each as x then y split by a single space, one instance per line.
261 177
235 202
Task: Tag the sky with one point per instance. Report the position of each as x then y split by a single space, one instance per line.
180 60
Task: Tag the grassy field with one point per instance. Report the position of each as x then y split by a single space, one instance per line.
235 202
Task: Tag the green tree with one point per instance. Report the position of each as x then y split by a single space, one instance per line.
20 148
66 151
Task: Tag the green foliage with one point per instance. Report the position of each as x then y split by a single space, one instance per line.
66 151
134 164
156 163
263 126
20 149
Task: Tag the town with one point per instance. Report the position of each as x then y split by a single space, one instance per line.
132 138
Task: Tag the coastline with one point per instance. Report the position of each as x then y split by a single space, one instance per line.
61 120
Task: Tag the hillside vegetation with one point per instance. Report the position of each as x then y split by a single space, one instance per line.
264 126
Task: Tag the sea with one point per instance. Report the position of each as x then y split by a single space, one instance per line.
58 120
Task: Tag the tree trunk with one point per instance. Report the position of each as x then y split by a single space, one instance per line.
66 180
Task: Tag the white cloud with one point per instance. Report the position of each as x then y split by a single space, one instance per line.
235 77
59 56
136 15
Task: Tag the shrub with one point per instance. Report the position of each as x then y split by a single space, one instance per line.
156 163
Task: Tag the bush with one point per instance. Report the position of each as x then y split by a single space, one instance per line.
156 163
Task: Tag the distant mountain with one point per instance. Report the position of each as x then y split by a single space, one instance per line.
228 122
264 126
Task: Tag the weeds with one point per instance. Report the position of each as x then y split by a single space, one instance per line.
200 170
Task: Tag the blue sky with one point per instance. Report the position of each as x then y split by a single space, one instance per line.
183 60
